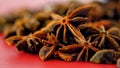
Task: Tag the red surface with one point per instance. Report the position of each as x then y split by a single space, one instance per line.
11 58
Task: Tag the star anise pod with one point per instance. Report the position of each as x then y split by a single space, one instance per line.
83 47
49 47
41 34
105 56
22 27
90 28
65 27
30 43
107 39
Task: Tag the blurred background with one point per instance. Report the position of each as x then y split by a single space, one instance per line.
7 6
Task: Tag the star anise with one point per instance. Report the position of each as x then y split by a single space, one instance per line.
107 39
49 47
90 28
65 27
22 27
105 56
41 34
30 43
82 46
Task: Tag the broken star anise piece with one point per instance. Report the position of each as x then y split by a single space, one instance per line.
107 39
30 44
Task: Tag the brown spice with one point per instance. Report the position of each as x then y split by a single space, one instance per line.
107 37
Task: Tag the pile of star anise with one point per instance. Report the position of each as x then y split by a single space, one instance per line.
72 32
